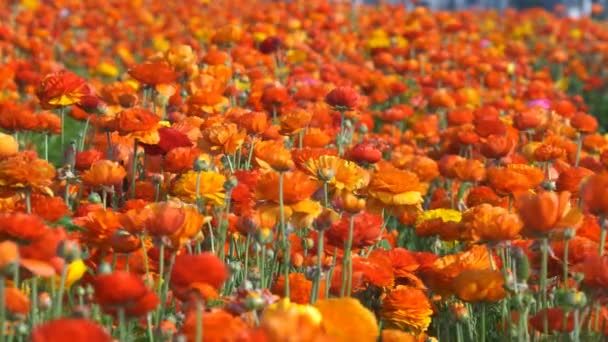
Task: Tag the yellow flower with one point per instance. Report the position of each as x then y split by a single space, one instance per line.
210 187
340 174
75 271
286 307
107 69
446 215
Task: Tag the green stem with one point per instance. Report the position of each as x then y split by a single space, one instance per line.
543 280
46 146
28 200
122 325
483 331
317 283
134 168
579 147
566 245
246 262
34 303
346 260
59 300
282 232
62 114
2 307
85 131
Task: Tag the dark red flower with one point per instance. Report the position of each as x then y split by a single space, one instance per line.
343 98
170 138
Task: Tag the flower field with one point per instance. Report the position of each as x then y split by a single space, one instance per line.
244 171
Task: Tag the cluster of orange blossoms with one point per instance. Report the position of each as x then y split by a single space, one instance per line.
300 171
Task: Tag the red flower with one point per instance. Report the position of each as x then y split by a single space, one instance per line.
365 153
61 89
190 270
366 230
343 98
153 73
118 289
70 329
21 227
170 138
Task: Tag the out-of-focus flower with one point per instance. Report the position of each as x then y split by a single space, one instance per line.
479 285
70 329
407 308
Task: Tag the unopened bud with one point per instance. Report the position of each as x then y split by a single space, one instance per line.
94 198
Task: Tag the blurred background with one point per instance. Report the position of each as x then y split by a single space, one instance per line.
572 8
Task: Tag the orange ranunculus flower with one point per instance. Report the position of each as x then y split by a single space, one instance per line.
280 321
99 227
440 275
76 329
316 138
479 285
584 123
48 122
8 146
174 220
85 159
254 122
391 186
298 208
469 170
595 198
61 89
25 170
515 178
300 288
104 173
340 174
210 187
497 146
272 154
9 253
16 303
181 159
223 138
340 312
119 93
487 223
570 179
48 208
394 335
206 102
294 121
546 210
138 123
595 269
407 308
190 270
180 57
153 73
217 325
